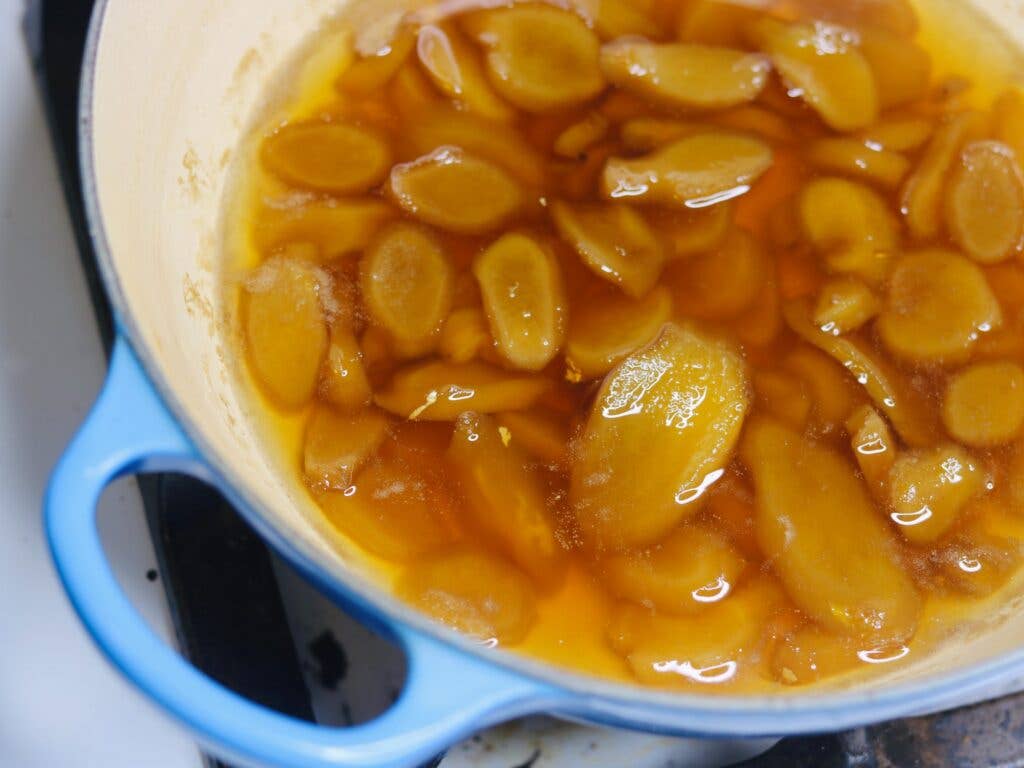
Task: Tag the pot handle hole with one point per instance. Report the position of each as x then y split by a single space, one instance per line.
447 695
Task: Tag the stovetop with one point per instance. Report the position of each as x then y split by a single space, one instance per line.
298 654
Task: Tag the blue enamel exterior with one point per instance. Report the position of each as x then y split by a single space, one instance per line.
447 695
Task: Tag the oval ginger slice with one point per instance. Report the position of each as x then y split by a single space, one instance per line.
694 172
505 495
615 242
472 592
438 391
823 62
327 157
985 202
454 190
522 291
660 433
286 328
406 283
691 569
539 57
938 304
831 550
682 75
607 327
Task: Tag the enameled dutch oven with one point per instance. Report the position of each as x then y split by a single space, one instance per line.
169 88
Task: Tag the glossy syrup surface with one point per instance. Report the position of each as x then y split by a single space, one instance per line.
673 341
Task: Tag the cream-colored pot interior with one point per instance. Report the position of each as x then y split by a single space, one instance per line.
174 88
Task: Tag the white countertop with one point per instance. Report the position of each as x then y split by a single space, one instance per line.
61 704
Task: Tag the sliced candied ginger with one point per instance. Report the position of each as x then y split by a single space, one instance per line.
713 647
984 404
333 228
605 328
406 284
391 510
614 241
329 157
343 379
522 292
937 306
721 283
472 592
539 57
873 446
831 550
929 488
851 226
438 391
505 495
906 407
659 434
690 570
694 172
985 202
686 75
845 304
454 190
922 192
285 325
337 445
822 62
456 70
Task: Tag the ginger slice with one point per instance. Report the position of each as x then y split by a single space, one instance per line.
455 68
898 134
539 57
406 283
333 228
521 285
985 202
922 192
505 496
457 191
908 410
810 654
784 396
693 172
823 62
660 433
581 135
442 125
851 226
693 568
614 241
607 327
833 553
337 445
343 380
472 592
928 489
873 447
859 160
844 305
440 391
369 74
901 68
707 649
984 404
464 335
392 510
282 306
722 283
327 157
937 305
540 433
686 75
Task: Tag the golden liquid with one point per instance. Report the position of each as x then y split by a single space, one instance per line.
574 620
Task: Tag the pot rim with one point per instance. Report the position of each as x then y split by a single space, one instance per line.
715 715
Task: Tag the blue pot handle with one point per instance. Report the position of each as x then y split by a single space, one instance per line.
447 696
